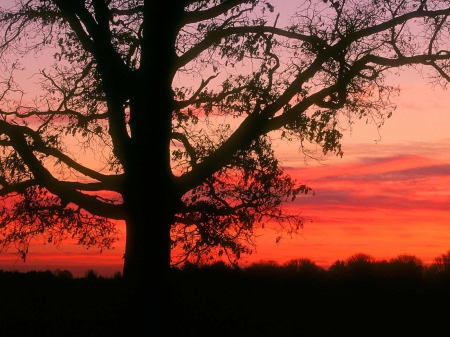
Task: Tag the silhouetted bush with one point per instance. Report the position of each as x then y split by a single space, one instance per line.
303 268
338 269
63 274
361 265
442 264
406 267
218 267
264 267
90 274
439 270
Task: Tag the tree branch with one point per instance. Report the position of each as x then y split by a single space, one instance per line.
190 150
215 37
44 178
217 98
197 16
128 11
39 145
83 119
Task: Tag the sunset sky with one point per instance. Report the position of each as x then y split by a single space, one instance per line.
388 195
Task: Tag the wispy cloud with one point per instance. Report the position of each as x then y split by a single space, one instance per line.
384 204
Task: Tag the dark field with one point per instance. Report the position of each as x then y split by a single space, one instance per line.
218 301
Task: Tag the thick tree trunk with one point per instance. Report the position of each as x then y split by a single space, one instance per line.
150 200
147 262
150 194
147 238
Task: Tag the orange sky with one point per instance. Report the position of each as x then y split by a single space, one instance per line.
388 195
380 205
382 198
375 201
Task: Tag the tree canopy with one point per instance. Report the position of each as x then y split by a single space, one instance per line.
177 105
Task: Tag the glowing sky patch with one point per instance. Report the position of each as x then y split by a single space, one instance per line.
383 206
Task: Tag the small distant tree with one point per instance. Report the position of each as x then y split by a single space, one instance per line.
338 269
90 274
361 264
264 267
218 266
63 274
443 262
305 267
408 265
404 271
441 265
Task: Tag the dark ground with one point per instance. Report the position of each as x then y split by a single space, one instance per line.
231 303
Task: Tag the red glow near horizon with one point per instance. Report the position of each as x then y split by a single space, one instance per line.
383 206
380 206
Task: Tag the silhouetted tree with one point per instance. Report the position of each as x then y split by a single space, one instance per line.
90 274
303 267
361 264
218 267
407 266
63 274
338 269
264 267
179 101
440 268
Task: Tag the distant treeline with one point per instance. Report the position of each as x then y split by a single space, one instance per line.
357 265
56 274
